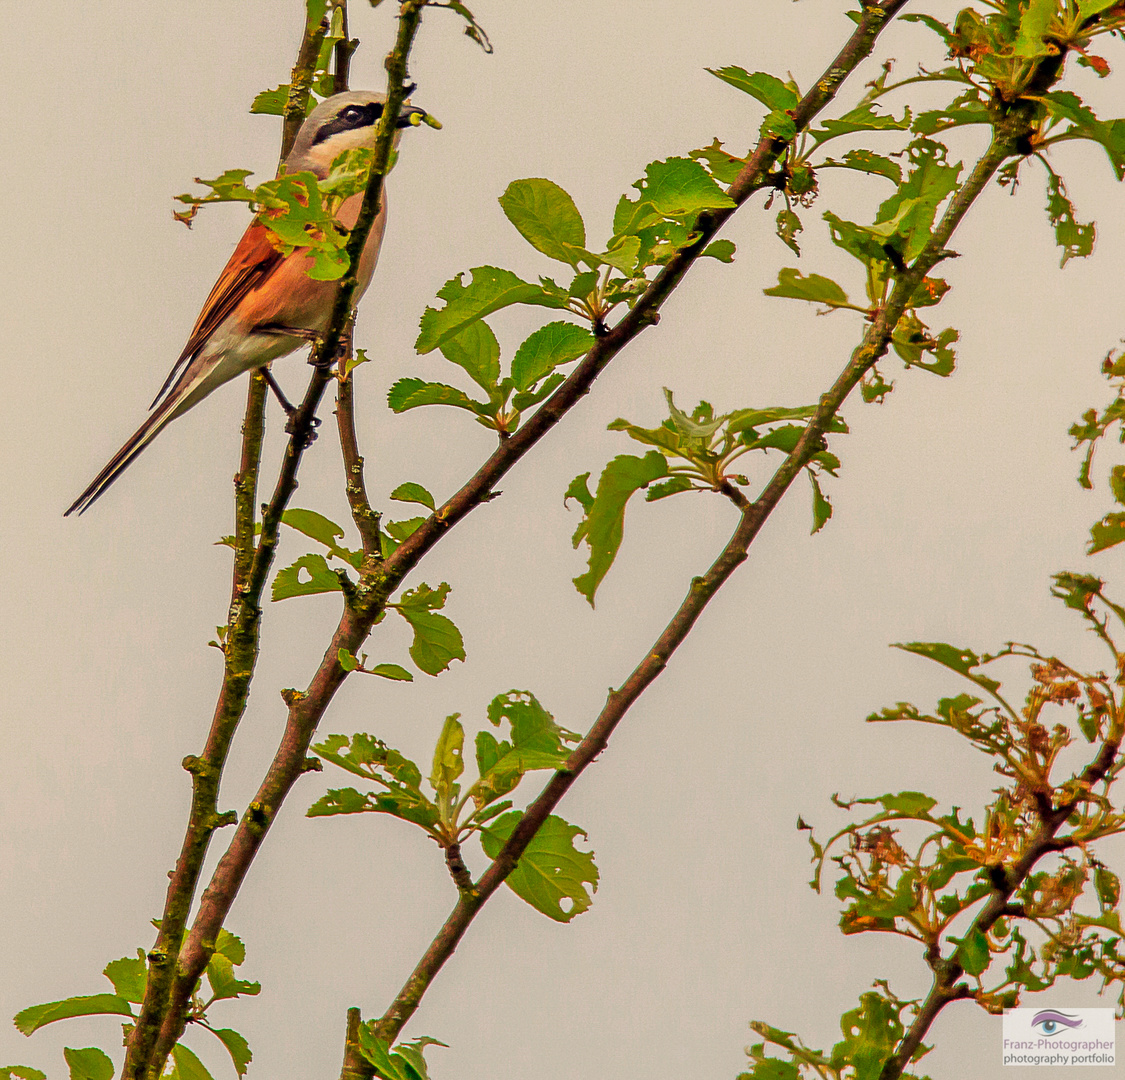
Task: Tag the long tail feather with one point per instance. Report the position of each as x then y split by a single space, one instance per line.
124 457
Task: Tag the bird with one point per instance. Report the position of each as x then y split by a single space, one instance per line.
264 304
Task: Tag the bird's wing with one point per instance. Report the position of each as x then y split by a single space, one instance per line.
250 265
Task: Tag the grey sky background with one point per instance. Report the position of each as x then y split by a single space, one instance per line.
956 501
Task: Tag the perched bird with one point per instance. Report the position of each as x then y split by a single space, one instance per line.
264 304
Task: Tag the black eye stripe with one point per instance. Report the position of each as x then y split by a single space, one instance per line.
350 118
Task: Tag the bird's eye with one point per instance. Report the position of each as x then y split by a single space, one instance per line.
352 114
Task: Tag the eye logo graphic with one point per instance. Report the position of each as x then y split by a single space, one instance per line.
1051 1022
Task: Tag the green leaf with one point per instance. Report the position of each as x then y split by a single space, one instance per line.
224 982
678 188
237 1047
36 1016
963 661
411 393
1110 134
414 493
1075 239
437 642
489 290
448 760
186 1066
405 1062
871 1033
88 1064
972 952
318 578
547 218
723 167
768 89
788 225
579 489
347 660
231 946
723 250
392 671
603 526
273 102
128 976
794 285
1108 887
551 875
402 530
868 162
545 349
21 1072
821 507
477 351
317 527
537 743
779 124
1107 533
862 118
663 488
1034 23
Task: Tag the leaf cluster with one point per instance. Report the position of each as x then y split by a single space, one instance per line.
552 874
129 976
693 452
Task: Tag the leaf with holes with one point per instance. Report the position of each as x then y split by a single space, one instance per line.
310 574
552 875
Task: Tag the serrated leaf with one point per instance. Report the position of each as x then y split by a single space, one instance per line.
186 1066
410 393
663 488
547 218
402 530
489 290
552 875
237 1047
793 285
319 528
273 102
1076 240
868 162
603 526
545 349
318 578
723 166
88 1064
862 118
231 946
768 89
962 661
477 351
413 493
128 976
21 1072
677 188
36 1016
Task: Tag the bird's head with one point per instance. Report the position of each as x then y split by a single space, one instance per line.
343 122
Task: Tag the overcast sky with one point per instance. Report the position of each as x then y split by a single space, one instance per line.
957 500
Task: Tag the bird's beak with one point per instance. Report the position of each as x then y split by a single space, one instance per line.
412 116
